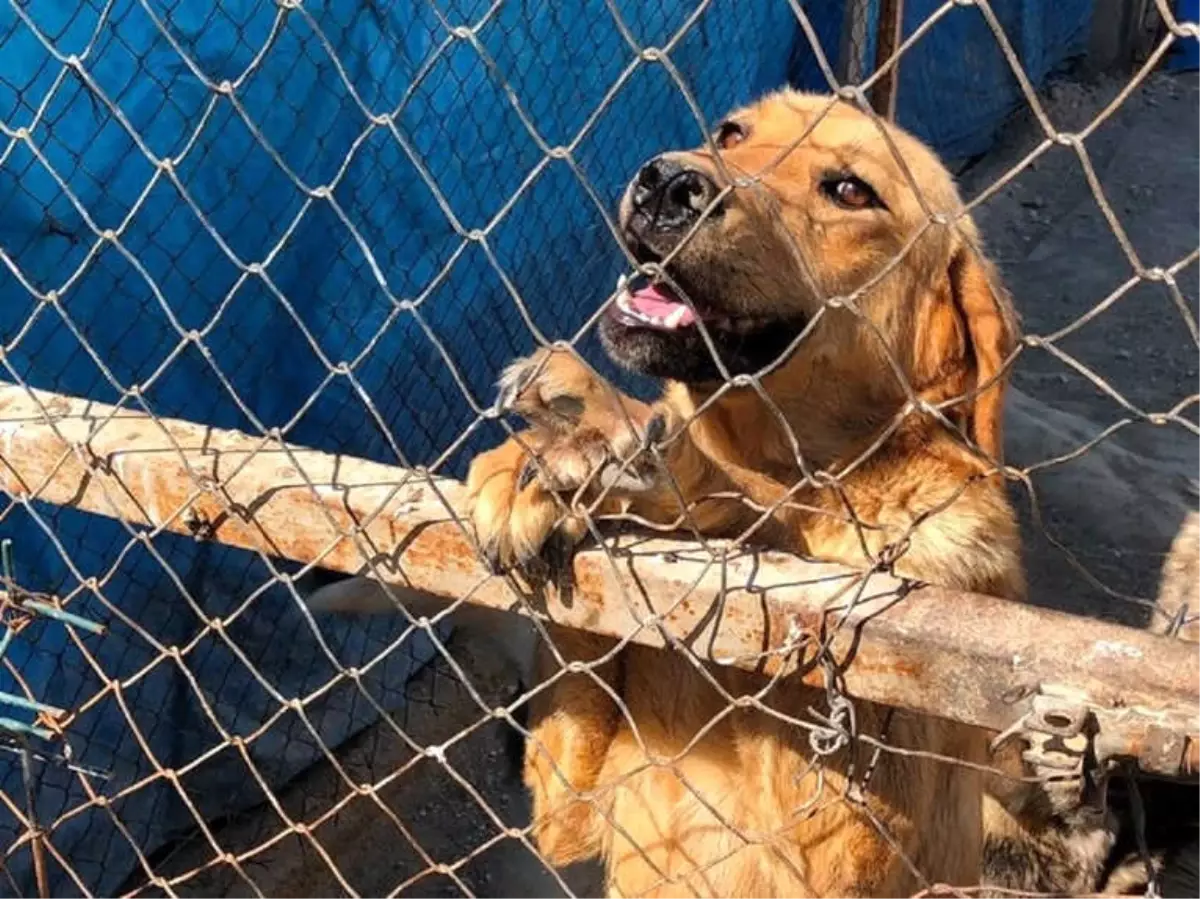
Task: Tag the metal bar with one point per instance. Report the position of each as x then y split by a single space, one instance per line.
52 611
36 834
964 657
889 36
21 728
1118 32
6 561
30 704
852 49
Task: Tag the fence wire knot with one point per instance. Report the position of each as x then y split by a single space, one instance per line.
839 726
826 740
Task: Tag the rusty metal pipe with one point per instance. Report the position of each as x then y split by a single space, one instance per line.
964 657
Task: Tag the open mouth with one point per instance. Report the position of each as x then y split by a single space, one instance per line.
686 328
652 306
659 307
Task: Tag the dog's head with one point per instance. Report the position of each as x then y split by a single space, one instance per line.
808 200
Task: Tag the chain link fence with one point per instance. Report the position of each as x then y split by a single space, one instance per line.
240 239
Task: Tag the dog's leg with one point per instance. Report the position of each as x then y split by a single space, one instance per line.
585 438
588 441
574 722
1052 836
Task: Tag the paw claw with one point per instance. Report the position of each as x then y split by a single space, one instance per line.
656 429
557 553
551 562
513 381
491 556
528 474
629 479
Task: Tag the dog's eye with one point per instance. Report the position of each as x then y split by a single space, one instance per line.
851 193
729 134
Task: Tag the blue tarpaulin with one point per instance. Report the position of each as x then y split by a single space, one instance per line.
350 182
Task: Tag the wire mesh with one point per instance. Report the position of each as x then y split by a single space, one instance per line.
334 227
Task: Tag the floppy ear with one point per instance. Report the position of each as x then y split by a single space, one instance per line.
985 309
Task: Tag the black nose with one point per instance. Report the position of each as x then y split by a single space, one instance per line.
671 196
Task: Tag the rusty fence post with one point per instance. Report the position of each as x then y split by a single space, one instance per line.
969 658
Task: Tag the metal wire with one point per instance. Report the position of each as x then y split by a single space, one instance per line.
294 819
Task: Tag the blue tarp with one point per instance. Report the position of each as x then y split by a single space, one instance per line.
377 277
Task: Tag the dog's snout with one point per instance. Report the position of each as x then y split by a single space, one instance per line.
671 195
651 178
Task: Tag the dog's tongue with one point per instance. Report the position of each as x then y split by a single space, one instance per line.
654 301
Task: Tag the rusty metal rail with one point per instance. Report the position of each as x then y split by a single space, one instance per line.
965 657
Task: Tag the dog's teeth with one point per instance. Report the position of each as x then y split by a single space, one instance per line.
624 304
622 283
676 317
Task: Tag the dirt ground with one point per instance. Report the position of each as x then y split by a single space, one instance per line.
451 814
1117 507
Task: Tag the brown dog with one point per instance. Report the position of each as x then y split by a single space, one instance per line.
873 440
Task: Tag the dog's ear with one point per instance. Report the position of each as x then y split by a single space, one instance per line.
985 310
966 329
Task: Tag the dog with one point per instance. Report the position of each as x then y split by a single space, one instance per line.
832 343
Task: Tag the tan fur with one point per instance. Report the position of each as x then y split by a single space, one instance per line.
1179 585
679 796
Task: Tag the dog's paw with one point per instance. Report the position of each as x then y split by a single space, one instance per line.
1058 749
1060 763
587 441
